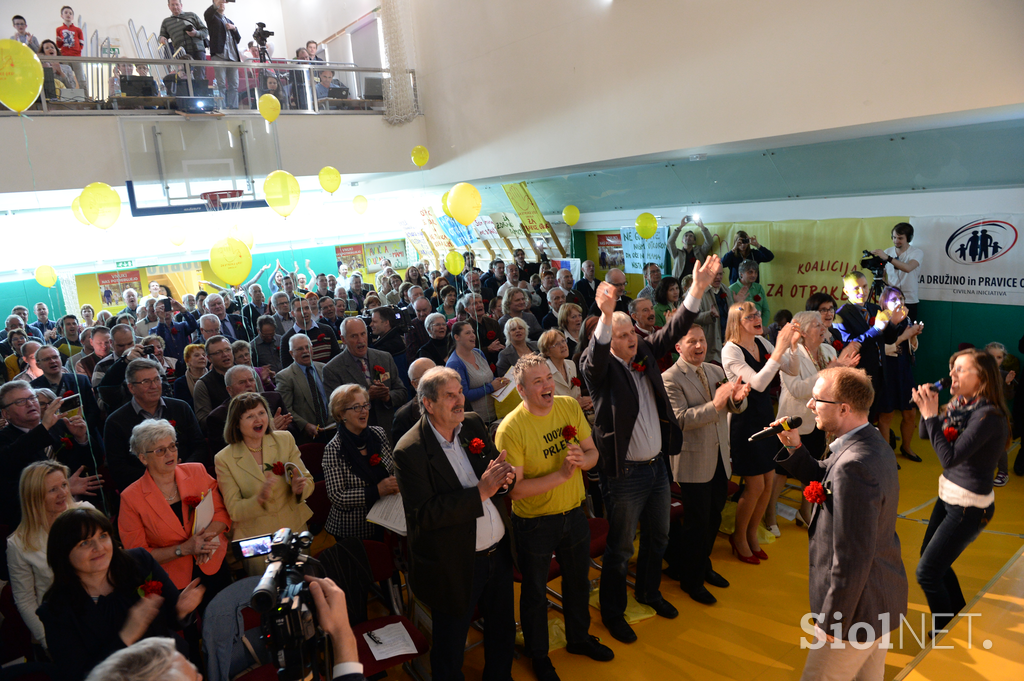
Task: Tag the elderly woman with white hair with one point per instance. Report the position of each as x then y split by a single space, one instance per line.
438 346
516 343
160 511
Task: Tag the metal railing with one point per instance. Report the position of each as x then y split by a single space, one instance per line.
298 85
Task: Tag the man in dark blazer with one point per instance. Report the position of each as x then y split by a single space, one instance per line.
459 531
858 585
210 391
33 435
361 365
586 287
309 418
617 281
232 326
143 378
701 401
635 429
241 379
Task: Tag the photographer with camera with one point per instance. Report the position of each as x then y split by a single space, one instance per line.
744 247
185 30
900 262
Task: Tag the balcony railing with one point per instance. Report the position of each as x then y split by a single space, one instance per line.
94 86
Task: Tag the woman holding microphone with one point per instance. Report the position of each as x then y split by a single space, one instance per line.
969 436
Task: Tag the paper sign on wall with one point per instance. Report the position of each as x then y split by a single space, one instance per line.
508 225
112 286
637 251
433 232
415 235
484 227
525 207
392 250
351 256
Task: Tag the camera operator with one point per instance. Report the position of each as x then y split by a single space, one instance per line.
901 261
184 30
744 247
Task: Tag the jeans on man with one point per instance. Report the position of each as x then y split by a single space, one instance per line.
951 529
492 594
567 535
227 79
639 495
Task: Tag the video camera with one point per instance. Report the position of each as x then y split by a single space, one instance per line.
261 34
283 599
873 264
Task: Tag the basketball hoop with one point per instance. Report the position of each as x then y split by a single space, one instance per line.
216 201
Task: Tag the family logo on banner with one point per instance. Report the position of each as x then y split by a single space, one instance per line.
971 259
638 251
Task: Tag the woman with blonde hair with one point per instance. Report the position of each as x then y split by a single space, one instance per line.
570 320
44 494
87 316
515 303
748 355
358 466
195 368
516 344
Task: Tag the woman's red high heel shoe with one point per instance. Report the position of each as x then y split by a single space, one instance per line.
761 554
752 559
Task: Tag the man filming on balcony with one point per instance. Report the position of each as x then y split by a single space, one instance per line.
185 30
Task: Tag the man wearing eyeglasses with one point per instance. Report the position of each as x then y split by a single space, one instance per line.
48 359
301 385
34 435
617 280
210 391
145 385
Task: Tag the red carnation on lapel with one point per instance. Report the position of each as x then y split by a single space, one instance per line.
476 446
494 369
66 441
375 460
576 382
174 331
321 337
277 468
67 393
815 493
191 501
950 434
640 366
379 369
173 423
491 335
151 587
838 345
721 294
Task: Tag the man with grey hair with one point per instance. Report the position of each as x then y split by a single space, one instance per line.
101 345
587 285
231 325
449 473
253 310
320 334
131 302
548 443
282 312
108 376
565 280
61 383
242 379
556 298
617 281
652 277
147 402
374 370
209 326
635 429
33 434
410 412
301 385
15 321
417 334
210 391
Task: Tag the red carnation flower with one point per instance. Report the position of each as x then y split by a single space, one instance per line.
68 393
174 331
375 460
173 423
757 298
950 434
640 366
379 369
151 587
576 382
494 369
321 337
871 322
569 433
476 446
66 441
191 501
838 345
815 493
491 335
277 468
721 294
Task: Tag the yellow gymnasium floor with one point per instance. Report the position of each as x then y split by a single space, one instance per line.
753 632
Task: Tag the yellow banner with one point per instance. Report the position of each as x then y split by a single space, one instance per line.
525 207
810 255
434 234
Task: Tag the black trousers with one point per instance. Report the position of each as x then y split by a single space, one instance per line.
690 542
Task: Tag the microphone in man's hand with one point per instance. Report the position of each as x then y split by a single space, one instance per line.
787 423
939 385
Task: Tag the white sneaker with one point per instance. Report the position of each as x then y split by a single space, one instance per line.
774 529
1001 479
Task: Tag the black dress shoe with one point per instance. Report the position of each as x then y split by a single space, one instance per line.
592 649
715 579
663 608
620 630
544 670
702 595
909 454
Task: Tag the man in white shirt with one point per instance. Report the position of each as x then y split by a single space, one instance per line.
902 263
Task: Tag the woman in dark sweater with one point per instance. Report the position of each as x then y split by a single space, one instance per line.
969 437
104 598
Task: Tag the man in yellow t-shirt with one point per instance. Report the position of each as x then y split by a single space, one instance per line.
547 440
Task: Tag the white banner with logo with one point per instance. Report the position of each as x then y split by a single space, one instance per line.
971 259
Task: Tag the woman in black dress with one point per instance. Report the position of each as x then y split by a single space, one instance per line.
749 356
104 598
898 370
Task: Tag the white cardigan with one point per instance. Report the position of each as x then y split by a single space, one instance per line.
735 365
796 390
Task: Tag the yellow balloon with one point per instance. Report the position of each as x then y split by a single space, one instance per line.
76 208
243 235
269 107
46 276
100 205
444 204
420 155
454 262
464 203
330 179
21 75
571 215
178 236
359 203
231 261
282 192
646 225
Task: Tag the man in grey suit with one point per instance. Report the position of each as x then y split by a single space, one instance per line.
858 585
363 366
700 398
309 408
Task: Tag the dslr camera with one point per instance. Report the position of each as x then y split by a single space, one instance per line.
284 601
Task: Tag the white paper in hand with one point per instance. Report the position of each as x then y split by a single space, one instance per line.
203 515
500 395
389 513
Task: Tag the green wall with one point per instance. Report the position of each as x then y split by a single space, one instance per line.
28 293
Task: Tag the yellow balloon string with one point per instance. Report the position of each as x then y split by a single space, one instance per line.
28 155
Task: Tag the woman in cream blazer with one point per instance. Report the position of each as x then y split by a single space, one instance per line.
258 498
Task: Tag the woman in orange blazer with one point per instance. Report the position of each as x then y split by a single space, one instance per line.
157 512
